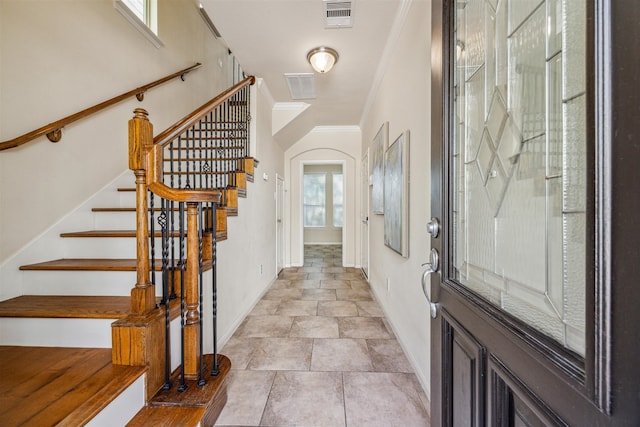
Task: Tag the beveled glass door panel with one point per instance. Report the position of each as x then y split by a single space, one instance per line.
520 160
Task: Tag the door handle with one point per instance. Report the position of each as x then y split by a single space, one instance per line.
432 267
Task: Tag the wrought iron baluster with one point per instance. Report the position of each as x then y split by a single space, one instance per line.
179 163
200 159
210 154
170 216
248 124
215 369
224 136
214 142
172 233
190 143
164 228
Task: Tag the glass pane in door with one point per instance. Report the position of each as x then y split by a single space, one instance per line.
519 161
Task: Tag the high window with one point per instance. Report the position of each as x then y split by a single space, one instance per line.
143 15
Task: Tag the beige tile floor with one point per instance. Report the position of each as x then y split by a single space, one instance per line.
316 351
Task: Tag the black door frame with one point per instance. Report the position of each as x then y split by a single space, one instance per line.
608 378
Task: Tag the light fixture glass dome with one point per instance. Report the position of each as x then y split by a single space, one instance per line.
322 59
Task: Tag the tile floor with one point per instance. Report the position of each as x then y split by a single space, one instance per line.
317 351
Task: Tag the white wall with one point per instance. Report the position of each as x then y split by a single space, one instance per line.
403 99
329 145
59 57
248 258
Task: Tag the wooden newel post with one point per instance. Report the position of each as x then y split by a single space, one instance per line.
140 144
192 314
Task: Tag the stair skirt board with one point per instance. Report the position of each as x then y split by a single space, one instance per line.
55 332
123 408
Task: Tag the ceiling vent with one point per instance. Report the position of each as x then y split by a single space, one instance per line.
301 86
338 14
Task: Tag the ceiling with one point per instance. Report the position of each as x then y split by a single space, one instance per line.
272 37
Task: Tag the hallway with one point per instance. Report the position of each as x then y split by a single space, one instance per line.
317 351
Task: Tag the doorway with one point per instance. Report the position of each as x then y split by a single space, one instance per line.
280 215
364 215
323 204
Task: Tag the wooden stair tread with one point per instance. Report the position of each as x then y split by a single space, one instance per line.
102 233
59 386
167 416
114 233
66 306
84 264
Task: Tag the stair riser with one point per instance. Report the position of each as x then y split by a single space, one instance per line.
127 198
99 283
100 247
123 408
123 220
115 220
109 247
48 332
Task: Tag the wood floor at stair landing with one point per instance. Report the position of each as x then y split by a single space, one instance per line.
45 386
94 307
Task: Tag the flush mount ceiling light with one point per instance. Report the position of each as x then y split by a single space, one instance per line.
322 59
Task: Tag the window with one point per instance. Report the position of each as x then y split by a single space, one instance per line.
143 15
338 208
314 199
138 8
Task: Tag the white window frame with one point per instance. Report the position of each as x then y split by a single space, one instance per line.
333 199
149 26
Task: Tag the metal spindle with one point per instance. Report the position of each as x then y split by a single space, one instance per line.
210 155
188 160
216 149
170 217
172 231
215 369
201 160
225 138
162 221
179 163
248 120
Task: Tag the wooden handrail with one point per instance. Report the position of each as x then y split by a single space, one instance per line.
184 195
179 127
53 130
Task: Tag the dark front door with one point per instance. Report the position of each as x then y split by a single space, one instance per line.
535 192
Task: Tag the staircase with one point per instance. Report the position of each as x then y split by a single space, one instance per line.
81 346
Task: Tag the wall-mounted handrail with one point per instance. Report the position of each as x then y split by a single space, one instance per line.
53 130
